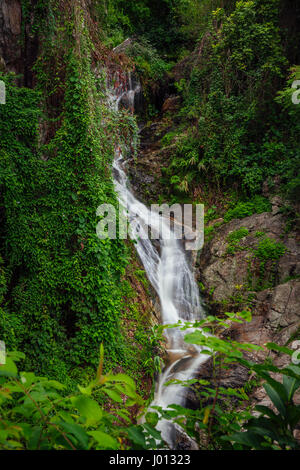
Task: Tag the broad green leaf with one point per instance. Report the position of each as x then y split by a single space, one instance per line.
35 438
123 378
291 385
292 371
280 389
245 438
293 415
55 384
261 431
28 378
126 390
123 415
86 390
16 355
267 411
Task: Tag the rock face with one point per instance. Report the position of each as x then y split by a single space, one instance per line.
18 43
234 280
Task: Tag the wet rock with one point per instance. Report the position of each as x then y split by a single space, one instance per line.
192 399
234 377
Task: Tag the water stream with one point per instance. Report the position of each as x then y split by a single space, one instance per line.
170 274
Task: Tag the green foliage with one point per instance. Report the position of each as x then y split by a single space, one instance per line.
153 20
265 259
224 419
62 290
186 163
38 414
269 249
238 234
168 138
194 15
234 238
242 209
273 430
241 129
64 287
149 65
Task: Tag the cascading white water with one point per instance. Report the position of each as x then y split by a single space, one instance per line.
172 278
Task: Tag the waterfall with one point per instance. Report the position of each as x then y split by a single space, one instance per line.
171 276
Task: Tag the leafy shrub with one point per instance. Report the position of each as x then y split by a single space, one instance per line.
267 252
259 234
38 414
292 189
273 430
223 419
168 138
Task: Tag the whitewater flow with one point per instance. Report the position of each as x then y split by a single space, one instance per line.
171 276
